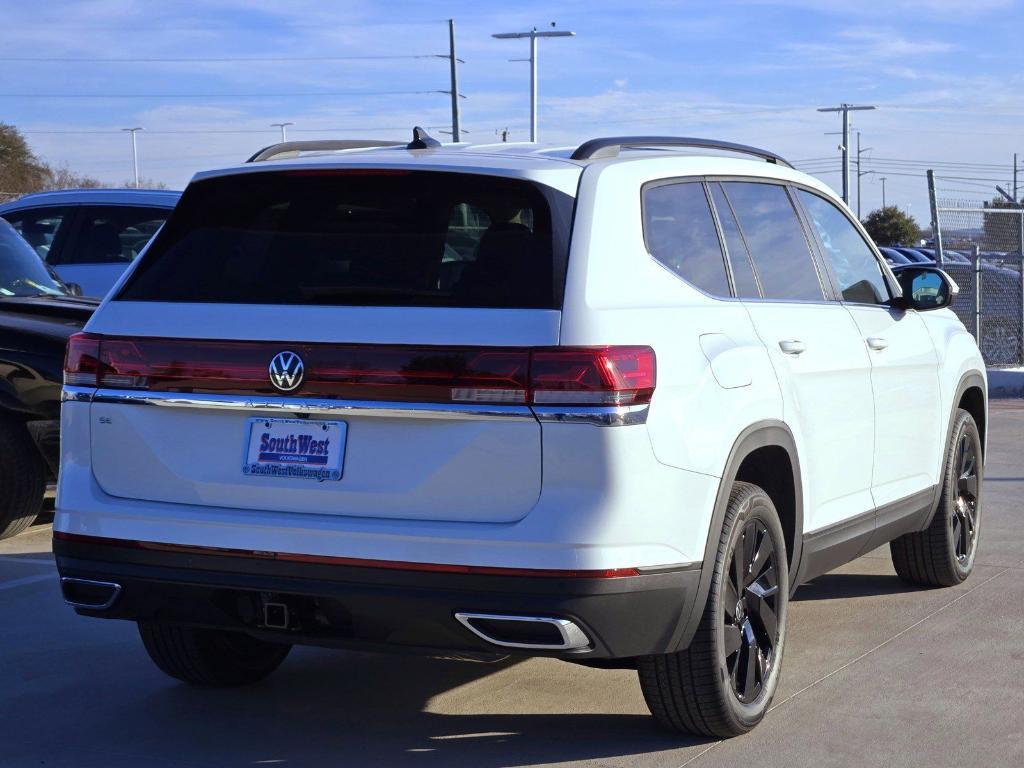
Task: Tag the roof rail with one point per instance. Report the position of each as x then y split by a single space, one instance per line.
287 147
596 149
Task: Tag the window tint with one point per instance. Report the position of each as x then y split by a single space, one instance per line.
681 234
855 267
111 234
739 257
360 238
776 239
39 227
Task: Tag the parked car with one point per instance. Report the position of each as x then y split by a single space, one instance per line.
893 257
90 236
914 255
37 314
292 425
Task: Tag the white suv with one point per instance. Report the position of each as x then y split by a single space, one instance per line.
610 405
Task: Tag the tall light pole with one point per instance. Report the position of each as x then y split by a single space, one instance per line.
882 179
135 154
282 126
533 34
846 109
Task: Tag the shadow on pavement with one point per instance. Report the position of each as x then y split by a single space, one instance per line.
839 585
367 709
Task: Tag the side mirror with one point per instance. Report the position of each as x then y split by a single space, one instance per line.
924 288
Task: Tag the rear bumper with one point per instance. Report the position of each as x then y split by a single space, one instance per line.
375 608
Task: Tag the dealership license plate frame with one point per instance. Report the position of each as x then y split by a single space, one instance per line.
332 469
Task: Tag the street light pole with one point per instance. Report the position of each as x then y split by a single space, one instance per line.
533 34
846 109
882 179
135 154
282 126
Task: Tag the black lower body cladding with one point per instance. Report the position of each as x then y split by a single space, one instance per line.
377 608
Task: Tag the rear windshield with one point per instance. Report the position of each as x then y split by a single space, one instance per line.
360 238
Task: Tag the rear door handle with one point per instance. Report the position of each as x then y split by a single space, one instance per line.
792 347
877 343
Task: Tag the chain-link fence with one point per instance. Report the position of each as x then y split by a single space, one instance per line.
980 245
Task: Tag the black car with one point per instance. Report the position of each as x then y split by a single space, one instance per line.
37 315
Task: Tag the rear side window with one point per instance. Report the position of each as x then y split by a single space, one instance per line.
681 234
739 256
109 234
776 239
40 227
361 238
854 265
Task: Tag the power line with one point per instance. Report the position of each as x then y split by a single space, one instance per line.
210 95
200 131
211 60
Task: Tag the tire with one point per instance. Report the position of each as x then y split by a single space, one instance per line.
22 478
710 689
210 658
943 554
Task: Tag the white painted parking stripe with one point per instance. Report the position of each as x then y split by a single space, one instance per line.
26 581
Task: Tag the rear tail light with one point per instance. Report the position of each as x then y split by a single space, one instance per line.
588 376
592 375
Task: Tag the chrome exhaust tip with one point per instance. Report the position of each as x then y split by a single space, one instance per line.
88 593
537 633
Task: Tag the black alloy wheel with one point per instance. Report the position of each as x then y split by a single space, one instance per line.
965 506
750 608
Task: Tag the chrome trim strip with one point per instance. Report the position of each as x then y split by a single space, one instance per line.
70 394
320 406
115 587
610 416
573 638
601 416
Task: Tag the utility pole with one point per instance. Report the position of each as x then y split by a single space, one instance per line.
454 62
846 109
533 35
282 126
859 174
1015 198
882 179
135 154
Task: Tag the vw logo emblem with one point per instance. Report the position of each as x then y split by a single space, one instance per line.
286 371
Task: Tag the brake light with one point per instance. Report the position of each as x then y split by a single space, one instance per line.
589 376
592 375
82 360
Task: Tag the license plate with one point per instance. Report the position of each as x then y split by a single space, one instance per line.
296 448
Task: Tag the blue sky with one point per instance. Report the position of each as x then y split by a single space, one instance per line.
947 76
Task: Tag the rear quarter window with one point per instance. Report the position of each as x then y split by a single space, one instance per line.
361 238
681 234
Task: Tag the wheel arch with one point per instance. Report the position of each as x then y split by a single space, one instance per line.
972 395
757 455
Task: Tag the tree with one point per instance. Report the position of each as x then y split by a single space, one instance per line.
145 182
64 178
20 170
891 226
1002 230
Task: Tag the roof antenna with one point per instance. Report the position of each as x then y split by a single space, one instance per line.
422 140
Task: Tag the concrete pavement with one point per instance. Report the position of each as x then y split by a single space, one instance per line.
875 673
